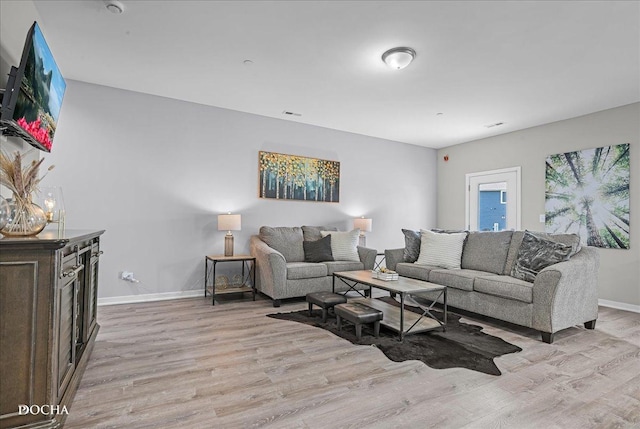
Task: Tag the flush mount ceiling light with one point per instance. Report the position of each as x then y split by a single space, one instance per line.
114 6
398 58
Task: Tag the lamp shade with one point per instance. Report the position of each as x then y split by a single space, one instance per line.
398 58
229 222
363 224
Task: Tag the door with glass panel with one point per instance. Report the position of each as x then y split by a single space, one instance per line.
493 200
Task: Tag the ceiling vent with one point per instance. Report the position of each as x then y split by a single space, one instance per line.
497 124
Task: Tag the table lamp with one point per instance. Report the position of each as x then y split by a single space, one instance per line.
364 225
229 222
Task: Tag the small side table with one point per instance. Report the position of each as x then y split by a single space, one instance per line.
248 266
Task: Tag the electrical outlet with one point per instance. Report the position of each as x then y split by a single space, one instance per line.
542 218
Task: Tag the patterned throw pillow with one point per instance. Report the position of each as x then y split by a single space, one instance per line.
411 245
441 250
318 250
344 245
536 253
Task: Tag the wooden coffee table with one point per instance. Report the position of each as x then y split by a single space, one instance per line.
395 318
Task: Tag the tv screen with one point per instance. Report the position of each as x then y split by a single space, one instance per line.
32 100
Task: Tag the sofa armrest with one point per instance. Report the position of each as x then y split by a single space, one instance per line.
367 257
392 257
271 268
566 294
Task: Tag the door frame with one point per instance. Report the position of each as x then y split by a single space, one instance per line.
467 205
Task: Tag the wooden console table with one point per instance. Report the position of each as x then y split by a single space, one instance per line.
48 323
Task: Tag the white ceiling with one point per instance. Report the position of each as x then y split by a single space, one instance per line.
524 63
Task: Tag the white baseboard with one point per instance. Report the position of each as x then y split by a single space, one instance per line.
148 297
619 305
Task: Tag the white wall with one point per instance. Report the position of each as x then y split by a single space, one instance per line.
154 172
619 280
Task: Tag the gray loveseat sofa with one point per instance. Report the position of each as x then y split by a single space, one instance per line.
281 270
561 295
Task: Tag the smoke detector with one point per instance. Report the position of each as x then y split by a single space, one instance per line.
114 6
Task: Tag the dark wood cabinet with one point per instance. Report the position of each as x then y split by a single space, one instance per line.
48 323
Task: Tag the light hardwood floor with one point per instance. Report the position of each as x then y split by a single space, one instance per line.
187 364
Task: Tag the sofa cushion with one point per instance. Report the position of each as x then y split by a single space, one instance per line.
572 239
441 249
411 245
458 279
337 266
505 287
516 240
486 251
536 253
313 233
344 245
318 250
305 270
415 271
286 240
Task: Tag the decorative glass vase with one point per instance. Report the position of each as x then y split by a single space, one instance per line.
25 218
4 212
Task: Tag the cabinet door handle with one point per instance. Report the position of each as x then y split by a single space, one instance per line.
73 271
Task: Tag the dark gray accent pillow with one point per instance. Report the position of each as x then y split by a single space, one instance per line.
318 250
312 233
536 253
486 251
286 240
411 245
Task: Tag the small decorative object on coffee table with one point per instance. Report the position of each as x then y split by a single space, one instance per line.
248 280
384 274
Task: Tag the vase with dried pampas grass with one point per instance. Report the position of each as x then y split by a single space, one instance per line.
25 218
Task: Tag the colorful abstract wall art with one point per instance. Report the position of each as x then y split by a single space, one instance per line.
292 177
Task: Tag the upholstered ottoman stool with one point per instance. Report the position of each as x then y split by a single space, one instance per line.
358 314
324 300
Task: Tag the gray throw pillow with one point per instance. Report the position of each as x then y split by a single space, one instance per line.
486 251
286 240
411 245
318 250
312 233
536 253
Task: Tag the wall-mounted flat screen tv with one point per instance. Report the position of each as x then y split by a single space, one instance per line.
33 97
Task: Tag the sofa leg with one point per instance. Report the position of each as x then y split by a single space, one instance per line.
547 337
277 302
591 324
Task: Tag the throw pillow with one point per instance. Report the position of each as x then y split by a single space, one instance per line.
536 253
411 245
312 233
344 245
441 250
486 251
572 240
318 250
286 240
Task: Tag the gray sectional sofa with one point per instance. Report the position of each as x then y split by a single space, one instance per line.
281 269
561 295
